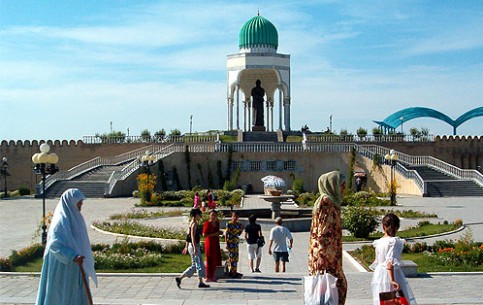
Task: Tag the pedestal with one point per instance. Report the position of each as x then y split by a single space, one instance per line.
258 128
276 202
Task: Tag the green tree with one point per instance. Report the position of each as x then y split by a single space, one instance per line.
175 132
415 133
112 137
146 135
361 132
160 135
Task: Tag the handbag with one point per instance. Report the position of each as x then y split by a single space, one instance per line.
393 298
261 241
321 289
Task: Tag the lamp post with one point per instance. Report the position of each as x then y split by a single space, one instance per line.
145 161
392 158
45 164
191 123
5 173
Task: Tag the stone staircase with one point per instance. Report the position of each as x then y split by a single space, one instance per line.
439 184
260 136
92 184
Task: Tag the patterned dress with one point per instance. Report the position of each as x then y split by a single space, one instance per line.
233 231
326 243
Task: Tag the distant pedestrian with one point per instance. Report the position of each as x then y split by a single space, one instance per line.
358 184
388 275
212 232
234 228
254 238
193 248
197 201
210 198
278 238
325 244
68 250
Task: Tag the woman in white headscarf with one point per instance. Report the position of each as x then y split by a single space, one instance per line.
67 251
325 245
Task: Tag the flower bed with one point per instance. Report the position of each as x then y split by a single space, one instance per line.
443 256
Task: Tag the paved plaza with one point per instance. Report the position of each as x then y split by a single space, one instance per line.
21 217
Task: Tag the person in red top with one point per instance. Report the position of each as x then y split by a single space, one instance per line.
211 200
212 232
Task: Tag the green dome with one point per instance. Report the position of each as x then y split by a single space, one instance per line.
258 32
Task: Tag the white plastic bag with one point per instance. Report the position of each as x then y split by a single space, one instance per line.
320 290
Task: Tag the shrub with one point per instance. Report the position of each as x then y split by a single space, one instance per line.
21 257
306 198
236 196
5 265
298 185
458 222
146 185
364 199
23 190
360 221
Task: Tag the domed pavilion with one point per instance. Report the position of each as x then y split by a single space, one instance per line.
258 60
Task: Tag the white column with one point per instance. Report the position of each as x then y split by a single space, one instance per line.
267 123
245 114
237 107
271 115
280 101
287 112
250 113
229 102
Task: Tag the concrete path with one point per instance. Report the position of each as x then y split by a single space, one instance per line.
20 218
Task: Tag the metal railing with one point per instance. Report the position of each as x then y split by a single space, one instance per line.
162 150
451 170
159 152
148 139
283 147
95 163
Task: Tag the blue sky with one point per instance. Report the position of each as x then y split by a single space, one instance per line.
69 68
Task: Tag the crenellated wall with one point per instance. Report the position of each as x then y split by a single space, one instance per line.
71 153
464 152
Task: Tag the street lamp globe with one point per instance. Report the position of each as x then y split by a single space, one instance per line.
45 148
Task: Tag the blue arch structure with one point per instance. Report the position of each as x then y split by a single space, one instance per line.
401 116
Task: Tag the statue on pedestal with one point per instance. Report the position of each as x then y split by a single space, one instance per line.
258 94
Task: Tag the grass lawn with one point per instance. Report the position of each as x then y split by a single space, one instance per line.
171 263
429 229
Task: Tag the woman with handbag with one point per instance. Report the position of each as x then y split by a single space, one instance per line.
325 245
255 242
193 248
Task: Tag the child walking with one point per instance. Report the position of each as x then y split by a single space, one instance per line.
388 275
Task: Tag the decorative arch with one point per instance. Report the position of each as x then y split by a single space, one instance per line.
398 118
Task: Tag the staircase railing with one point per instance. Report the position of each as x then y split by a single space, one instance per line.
451 170
370 151
446 168
159 152
93 164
